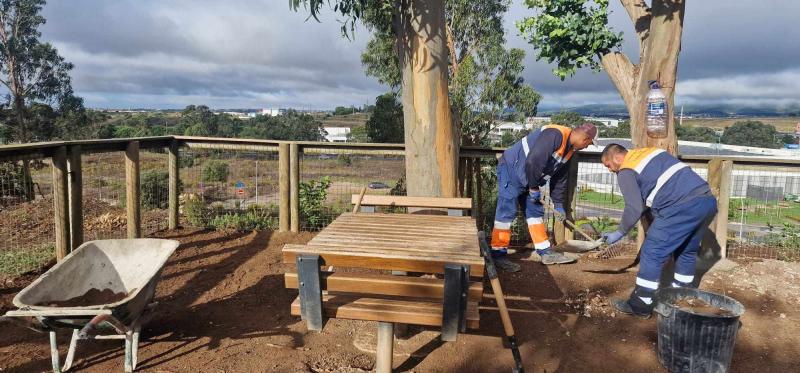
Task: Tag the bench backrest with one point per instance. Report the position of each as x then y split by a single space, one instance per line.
454 206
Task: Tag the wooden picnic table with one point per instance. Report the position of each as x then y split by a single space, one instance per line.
403 242
434 244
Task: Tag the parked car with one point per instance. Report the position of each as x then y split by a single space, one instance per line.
378 185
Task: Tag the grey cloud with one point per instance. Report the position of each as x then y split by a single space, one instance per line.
259 53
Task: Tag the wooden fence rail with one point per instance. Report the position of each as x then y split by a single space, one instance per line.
68 181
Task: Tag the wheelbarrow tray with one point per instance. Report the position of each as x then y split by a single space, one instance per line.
130 266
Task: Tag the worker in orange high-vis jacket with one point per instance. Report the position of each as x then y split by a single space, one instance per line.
525 167
682 206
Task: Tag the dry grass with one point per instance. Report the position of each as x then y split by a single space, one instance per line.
782 124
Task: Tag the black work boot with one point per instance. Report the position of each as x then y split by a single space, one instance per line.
625 306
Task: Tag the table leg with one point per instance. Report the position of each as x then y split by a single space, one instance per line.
454 302
310 290
383 359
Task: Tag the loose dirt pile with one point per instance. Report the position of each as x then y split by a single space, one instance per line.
700 307
223 307
92 297
773 278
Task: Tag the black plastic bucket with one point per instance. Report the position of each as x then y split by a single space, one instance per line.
691 342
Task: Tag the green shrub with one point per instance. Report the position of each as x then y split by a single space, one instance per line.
155 189
12 178
215 171
195 210
344 160
312 197
254 218
185 161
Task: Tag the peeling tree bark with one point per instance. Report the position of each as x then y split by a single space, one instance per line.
431 139
659 29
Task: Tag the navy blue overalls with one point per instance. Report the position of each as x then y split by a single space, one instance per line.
513 184
682 208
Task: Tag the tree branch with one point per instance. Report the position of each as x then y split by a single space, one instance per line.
640 15
623 74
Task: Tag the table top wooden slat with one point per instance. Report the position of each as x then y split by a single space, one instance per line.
415 242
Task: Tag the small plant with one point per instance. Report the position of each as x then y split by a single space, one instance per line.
254 218
185 161
312 198
344 160
155 189
215 171
195 210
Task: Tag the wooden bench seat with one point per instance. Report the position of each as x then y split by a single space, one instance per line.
378 284
416 312
425 205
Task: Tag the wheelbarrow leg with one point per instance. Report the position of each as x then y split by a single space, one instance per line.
135 347
129 351
73 345
54 352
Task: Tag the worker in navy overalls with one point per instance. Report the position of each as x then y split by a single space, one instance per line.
538 158
682 207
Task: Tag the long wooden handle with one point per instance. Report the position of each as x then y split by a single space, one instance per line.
360 197
501 306
572 225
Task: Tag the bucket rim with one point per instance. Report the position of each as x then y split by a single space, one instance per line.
734 315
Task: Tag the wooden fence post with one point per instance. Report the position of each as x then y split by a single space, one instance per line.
174 179
571 199
294 186
132 190
75 196
61 202
719 180
283 190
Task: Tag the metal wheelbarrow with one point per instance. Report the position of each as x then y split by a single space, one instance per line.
127 268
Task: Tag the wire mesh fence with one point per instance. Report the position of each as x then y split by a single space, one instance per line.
229 189
764 212
237 188
26 216
329 177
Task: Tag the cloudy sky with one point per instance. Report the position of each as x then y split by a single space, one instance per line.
258 53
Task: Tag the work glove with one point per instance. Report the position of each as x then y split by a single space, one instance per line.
559 213
534 194
612 237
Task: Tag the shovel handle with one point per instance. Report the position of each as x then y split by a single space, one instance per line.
572 225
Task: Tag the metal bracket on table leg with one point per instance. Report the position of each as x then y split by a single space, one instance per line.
454 302
310 290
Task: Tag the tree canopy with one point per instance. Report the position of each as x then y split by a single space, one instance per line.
485 77
34 74
751 133
570 33
386 122
573 34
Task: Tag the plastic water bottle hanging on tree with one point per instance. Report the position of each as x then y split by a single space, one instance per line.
656 111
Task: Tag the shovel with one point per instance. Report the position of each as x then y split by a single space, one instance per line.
578 246
501 304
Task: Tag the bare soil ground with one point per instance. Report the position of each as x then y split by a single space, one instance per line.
223 308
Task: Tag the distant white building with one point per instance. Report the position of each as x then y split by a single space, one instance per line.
337 134
608 122
238 114
272 112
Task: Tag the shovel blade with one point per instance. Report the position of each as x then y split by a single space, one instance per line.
578 246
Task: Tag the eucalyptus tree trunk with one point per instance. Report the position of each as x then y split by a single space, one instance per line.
659 31
431 139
